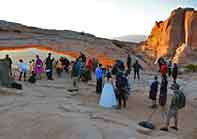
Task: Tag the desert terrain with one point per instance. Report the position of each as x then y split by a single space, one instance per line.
46 110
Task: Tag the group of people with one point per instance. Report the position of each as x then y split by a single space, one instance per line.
114 91
178 99
37 67
113 84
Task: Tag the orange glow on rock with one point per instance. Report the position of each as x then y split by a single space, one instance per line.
104 60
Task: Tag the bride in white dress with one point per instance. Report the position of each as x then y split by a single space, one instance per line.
108 98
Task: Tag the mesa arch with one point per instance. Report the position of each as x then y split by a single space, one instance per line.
27 52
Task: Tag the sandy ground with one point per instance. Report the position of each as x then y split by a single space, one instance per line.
46 110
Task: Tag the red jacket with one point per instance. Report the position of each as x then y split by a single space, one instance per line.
163 69
89 64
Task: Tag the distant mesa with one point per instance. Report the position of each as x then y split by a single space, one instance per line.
132 38
14 36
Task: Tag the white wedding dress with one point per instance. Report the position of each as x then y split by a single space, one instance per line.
108 98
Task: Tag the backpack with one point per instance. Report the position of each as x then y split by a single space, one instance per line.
181 99
122 82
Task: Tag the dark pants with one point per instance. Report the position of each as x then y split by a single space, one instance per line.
174 76
49 75
136 73
10 71
169 72
99 86
121 97
22 74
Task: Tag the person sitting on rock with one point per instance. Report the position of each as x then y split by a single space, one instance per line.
32 78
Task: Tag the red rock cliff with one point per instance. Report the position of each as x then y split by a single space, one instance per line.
167 37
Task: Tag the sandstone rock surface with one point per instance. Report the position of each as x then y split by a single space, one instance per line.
13 36
168 36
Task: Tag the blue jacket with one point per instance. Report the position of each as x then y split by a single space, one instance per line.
76 69
98 73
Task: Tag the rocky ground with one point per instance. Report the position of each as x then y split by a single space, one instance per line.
47 110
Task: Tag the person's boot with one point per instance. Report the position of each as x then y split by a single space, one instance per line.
125 105
154 106
174 127
164 129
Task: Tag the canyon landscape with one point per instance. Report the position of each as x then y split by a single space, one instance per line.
48 110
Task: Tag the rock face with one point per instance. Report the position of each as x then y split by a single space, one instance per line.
167 37
13 35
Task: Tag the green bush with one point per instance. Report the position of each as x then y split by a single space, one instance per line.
191 68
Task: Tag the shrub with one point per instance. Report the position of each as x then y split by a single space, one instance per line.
191 68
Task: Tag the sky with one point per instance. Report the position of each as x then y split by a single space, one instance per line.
103 18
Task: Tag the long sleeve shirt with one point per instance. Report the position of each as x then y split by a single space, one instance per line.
98 73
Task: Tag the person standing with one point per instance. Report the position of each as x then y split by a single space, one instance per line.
94 64
163 69
49 67
153 92
38 69
83 58
178 101
122 88
108 97
169 68
129 61
137 67
75 75
22 70
9 60
160 62
175 72
59 67
163 95
88 66
99 76
31 66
